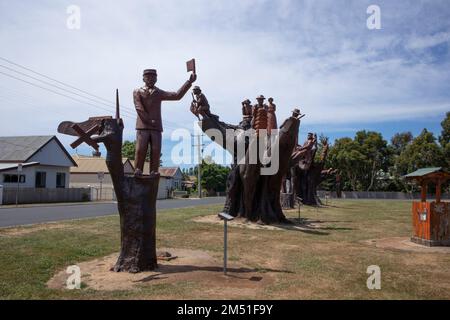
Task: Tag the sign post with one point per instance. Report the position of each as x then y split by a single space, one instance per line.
19 170
100 176
299 204
225 217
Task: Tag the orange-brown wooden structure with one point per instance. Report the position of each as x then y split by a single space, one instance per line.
431 219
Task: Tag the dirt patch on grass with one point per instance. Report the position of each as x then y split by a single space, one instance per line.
404 244
20 231
196 267
296 224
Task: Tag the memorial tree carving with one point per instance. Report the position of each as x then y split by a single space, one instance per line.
135 193
253 189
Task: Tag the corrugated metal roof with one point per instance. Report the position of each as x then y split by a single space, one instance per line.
167 172
21 148
88 164
423 172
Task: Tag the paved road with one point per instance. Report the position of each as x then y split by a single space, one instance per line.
39 214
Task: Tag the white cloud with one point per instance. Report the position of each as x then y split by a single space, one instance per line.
423 42
315 55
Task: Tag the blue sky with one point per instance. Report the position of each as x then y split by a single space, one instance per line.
317 55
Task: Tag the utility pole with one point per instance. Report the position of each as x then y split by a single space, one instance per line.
199 146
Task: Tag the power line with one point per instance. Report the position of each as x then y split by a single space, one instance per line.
50 84
56 92
13 98
57 81
110 103
129 110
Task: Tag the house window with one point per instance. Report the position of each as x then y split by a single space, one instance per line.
12 178
60 180
41 178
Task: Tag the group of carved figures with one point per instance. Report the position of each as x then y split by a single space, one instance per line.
250 194
259 116
258 197
304 174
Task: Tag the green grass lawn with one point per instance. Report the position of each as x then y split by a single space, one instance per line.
329 262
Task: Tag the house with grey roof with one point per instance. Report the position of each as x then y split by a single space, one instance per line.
34 162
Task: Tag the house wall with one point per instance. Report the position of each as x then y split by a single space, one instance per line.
51 154
30 176
164 185
128 167
29 173
177 180
82 180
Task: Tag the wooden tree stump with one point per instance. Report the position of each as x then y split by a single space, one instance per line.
136 197
138 225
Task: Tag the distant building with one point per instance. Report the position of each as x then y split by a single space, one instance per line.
88 168
45 162
174 174
171 178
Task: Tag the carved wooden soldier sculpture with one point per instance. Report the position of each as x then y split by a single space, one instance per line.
147 101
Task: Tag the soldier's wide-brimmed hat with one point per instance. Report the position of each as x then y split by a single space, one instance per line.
247 101
296 112
260 97
197 88
149 71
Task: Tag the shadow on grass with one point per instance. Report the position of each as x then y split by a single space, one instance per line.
231 272
310 226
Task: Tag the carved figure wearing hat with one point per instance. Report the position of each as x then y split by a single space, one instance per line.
147 100
259 114
200 105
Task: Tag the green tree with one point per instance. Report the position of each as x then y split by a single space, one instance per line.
361 160
129 150
421 153
214 177
377 157
444 140
400 141
347 156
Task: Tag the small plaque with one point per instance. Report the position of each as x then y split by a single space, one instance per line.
225 216
423 215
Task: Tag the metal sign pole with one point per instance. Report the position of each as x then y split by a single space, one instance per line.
225 217
225 247
100 176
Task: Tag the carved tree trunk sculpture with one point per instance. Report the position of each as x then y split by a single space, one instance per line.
251 195
136 201
306 181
